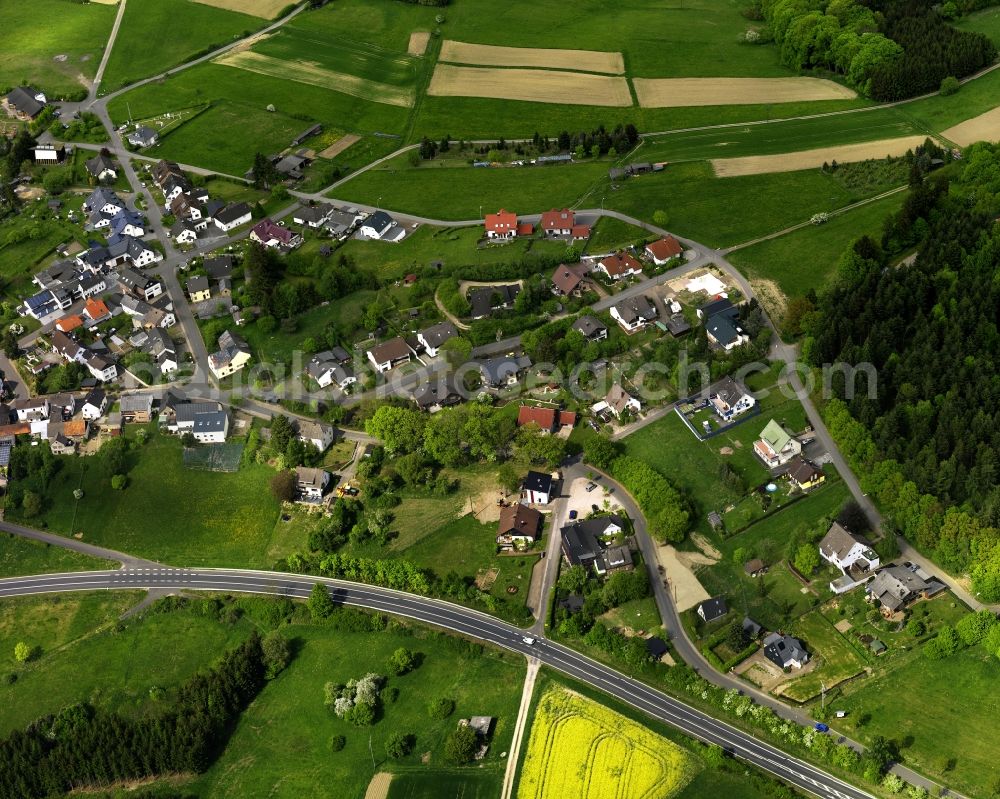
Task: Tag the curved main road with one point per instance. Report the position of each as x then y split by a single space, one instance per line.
472 624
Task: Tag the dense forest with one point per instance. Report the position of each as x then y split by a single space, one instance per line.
886 50
87 746
927 441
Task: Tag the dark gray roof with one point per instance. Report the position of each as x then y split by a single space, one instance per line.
538 481
729 391
632 309
210 422
380 221
232 212
722 329
496 371
438 334
23 99
485 299
714 608
99 163
783 649
721 305
589 326
219 267
188 411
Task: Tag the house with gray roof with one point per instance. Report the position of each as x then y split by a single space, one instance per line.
785 652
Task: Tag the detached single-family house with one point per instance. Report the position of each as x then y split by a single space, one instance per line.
271 234
776 446
383 227
591 328
101 167
318 434
505 370
31 409
633 313
142 286
312 215
850 553
896 586
719 305
563 223
619 265
389 354
730 399
785 652
311 483
487 300
436 393
569 279
101 366
590 543
326 369
617 402
208 422
94 404
435 336
550 420
103 201
537 488
519 525
712 609
501 225
136 408
804 474
724 332
143 136
232 216
198 289
183 232
233 355
96 311
663 250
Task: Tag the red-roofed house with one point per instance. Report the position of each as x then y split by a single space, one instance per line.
501 225
569 278
663 250
96 311
271 234
68 323
525 229
580 232
620 265
548 419
558 223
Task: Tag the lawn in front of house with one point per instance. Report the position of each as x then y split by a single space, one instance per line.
836 658
167 513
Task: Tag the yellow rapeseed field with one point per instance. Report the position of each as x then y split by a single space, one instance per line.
580 749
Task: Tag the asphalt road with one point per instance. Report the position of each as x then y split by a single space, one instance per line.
472 624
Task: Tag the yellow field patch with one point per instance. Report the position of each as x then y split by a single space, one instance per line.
536 85
676 92
339 146
807 159
985 127
266 9
313 74
491 55
418 42
580 749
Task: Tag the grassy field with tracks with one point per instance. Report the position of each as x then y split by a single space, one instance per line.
146 21
35 34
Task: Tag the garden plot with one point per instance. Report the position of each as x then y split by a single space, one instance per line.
580 749
490 55
534 85
418 42
311 73
265 9
675 92
985 127
806 159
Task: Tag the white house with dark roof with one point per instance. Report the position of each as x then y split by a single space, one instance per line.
102 167
432 338
94 404
633 313
383 227
851 554
712 609
389 354
591 328
731 399
785 652
537 488
143 136
232 216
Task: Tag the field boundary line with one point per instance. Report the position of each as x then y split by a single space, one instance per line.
514 756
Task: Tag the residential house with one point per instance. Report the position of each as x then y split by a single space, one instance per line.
894 587
804 474
183 232
383 227
487 300
31 409
719 305
67 347
61 445
563 223
198 289
232 216
620 265
143 136
785 652
311 483
569 279
42 305
101 366
69 323
519 526
434 394
102 167
128 249
731 399
94 404
712 609
850 553
591 328
591 544
776 446
164 169
435 336
271 234
341 223
326 370
389 354
141 286
633 313
162 350
26 102
208 422
537 488
501 226
126 223
724 332
504 370
550 420
317 434
174 187
96 311
617 402
232 356
136 408
103 201
220 267
312 215
664 250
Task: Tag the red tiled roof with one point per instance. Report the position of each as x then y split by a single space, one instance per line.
19 429
75 428
580 232
525 229
558 220
95 309
545 418
620 263
665 248
567 418
68 323
502 221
